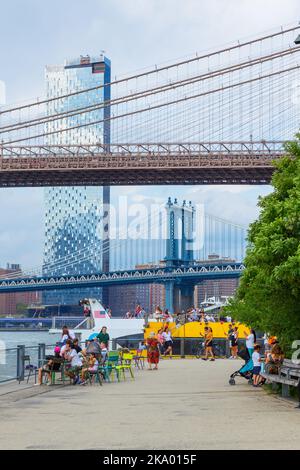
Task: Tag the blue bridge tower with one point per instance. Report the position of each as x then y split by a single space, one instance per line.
179 252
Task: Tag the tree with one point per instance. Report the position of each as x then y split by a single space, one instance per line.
21 310
268 297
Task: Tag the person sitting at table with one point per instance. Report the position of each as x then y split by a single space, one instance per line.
71 356
51 366
76 345
65 346
92 366
274 359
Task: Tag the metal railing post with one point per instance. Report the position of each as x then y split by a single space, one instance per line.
114 344
41 354
182 344
182 340
146 320
227 352
20 362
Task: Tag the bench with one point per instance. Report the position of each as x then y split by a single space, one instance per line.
288 376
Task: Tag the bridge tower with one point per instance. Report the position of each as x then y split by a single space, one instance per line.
179 252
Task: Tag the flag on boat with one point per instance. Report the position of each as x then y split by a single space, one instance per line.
99 314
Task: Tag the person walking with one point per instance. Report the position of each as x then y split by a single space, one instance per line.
168 342
160 340
208 343
152 351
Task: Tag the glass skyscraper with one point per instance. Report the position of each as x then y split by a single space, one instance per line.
74 228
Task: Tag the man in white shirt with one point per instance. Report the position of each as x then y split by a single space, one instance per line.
71 356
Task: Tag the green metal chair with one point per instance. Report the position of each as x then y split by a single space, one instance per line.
126 365
111 366
95 375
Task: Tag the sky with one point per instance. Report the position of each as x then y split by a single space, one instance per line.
134 34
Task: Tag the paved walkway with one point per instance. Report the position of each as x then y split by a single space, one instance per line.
187 404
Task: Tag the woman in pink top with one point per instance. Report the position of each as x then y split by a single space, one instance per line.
160 340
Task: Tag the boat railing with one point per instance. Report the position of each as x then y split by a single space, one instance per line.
72 322
87 323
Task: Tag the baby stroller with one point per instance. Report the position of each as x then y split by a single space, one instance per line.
246 370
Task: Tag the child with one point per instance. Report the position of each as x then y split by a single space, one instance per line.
104 352
256 365
92 366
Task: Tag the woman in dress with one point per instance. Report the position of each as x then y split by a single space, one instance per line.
152 351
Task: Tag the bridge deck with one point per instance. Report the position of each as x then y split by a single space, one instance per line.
139 164
187 404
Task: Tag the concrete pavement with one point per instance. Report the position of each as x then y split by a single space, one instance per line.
186 404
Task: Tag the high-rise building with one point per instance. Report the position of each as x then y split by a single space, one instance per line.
215 288
126 298
74 228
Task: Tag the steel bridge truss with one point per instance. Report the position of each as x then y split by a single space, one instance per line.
147 276
139 164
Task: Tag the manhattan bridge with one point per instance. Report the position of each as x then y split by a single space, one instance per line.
217 117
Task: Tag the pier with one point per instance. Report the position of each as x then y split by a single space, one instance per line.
186 404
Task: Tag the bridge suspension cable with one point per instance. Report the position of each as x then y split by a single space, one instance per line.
156 70
145 93
84 254
154 107
63 264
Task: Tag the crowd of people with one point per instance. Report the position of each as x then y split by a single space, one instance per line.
139 312
272 358
79 362
161 344
192 314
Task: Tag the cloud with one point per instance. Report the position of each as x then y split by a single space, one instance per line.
21 227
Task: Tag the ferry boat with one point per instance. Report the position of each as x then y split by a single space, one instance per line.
97 317
138 329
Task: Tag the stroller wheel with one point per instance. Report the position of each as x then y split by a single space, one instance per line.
231 381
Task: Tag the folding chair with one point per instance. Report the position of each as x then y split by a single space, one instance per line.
139 360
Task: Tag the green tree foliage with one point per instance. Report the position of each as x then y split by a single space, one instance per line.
268 297
21 310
